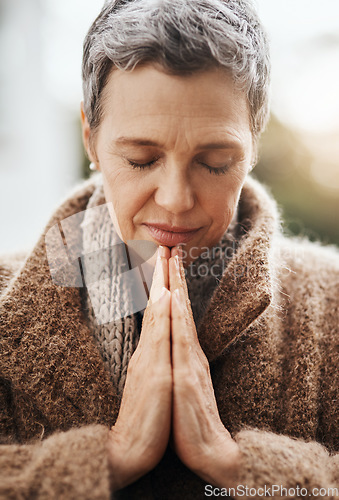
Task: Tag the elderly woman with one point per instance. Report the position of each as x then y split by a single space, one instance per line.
228 383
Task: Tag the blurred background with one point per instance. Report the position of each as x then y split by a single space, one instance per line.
41 154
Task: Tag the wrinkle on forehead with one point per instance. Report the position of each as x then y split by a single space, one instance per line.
177 111
145 85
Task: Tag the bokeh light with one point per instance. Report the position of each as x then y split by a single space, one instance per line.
41 156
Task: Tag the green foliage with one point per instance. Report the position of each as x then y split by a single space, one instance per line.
285 167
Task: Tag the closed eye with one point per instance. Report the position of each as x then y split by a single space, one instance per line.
214 170
136 165
149 164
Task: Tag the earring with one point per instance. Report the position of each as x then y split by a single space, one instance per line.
92 166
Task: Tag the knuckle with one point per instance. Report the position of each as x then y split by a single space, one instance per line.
158 338
156 341
193 382
149 319
189 381
184 342
162 314
161 377
180 314
153 318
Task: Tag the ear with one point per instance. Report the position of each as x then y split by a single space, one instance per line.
86 133
255 154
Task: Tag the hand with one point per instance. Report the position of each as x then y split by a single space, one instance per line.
140 435
200 439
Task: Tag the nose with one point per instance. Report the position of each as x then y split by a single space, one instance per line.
174 191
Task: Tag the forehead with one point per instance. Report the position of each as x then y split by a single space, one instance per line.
149 98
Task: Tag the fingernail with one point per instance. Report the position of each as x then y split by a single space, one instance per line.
162 252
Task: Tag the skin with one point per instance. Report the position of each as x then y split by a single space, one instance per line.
168 387
195 123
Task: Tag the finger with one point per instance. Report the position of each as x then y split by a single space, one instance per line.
183 332
159 281
160 275
178 250
165 252
183 328
177 279
155 331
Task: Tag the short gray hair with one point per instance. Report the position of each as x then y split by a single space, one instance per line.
183 36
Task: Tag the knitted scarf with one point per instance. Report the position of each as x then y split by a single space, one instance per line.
109 300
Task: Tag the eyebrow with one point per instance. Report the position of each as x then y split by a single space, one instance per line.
131 141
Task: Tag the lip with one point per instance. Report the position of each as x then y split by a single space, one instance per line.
171 235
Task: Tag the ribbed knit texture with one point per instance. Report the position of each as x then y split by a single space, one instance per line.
270 334
111 294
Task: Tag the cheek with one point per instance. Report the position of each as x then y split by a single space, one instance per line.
222 203
128 194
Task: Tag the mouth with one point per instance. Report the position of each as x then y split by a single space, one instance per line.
171 236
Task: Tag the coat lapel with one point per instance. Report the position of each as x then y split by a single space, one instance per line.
57 376
246 287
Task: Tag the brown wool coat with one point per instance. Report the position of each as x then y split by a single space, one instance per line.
271 336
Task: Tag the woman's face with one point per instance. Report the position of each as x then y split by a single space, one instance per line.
174 152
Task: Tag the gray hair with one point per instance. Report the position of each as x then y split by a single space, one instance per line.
183 36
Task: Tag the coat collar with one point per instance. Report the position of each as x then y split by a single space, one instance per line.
50 355
246 287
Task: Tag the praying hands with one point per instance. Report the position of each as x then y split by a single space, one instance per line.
169 388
